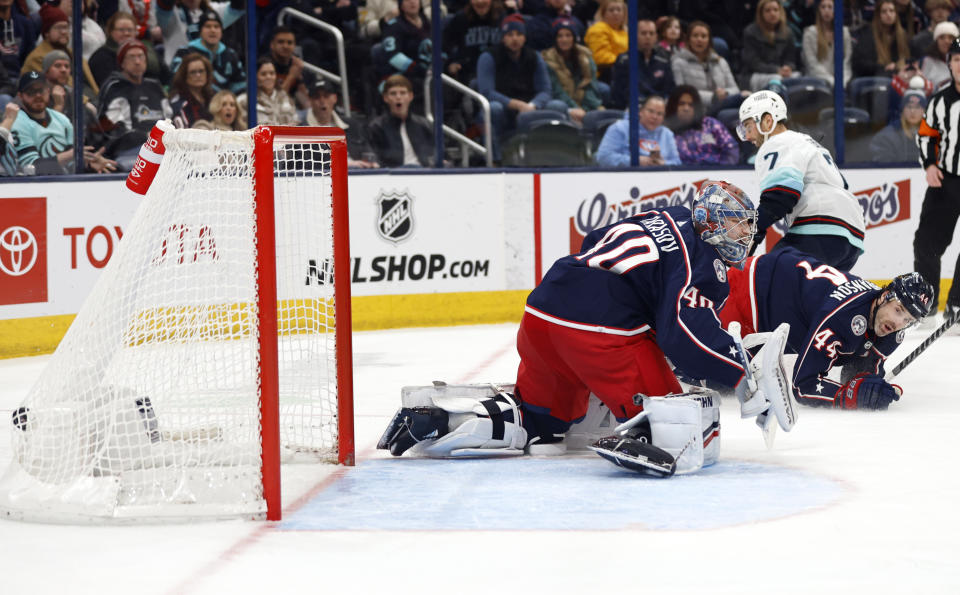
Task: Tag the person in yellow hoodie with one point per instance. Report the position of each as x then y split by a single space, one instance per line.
607 37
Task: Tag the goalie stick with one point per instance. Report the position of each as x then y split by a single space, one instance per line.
923 347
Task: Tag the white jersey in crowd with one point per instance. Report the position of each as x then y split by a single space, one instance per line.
794 163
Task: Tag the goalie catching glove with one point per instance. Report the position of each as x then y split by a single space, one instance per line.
867 391
443 421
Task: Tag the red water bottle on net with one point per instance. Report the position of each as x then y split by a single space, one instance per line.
148 161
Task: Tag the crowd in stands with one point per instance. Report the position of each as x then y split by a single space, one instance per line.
185 60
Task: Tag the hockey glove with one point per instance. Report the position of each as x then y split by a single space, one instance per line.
867 391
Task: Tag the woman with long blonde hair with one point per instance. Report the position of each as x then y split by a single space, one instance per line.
882 46
818 46
226 113
769 47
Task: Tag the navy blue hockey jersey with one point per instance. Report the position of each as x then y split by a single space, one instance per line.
829 316
647 272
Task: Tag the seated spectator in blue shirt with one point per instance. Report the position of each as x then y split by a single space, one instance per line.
654 75
657 144
514 79
228 72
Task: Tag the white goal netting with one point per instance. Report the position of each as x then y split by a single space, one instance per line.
150 406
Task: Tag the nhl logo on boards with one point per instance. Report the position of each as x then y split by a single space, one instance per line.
721 270
394 215
858 325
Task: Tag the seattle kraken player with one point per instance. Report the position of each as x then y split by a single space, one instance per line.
836 319
600 323
800 183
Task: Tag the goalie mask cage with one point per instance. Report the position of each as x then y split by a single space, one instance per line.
215 343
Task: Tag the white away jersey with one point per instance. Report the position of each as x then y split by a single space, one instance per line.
794 163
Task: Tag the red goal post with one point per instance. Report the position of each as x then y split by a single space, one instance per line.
215 346
266 139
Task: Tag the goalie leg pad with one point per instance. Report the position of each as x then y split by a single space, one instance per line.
466 421
686 426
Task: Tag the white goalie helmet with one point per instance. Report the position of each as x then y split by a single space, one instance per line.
757 104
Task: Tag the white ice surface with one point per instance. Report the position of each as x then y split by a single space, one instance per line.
867 503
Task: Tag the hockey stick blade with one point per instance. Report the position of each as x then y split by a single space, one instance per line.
923 347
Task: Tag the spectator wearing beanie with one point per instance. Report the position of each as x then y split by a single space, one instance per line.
130 104
514 79
55 33
57 72
119 28
180 24
573 74
228 72
937 11
933 66
896 143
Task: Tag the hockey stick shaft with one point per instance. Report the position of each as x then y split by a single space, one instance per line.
923 347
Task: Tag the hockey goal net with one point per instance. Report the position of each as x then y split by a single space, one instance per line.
215 344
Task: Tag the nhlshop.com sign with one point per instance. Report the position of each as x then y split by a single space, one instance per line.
424 234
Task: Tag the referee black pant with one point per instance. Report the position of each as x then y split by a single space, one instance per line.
938 219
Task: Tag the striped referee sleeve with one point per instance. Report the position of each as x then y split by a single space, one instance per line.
938 137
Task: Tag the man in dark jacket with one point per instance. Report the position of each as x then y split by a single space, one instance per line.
540 27
400 138
655 77
322 112
514 79
129 104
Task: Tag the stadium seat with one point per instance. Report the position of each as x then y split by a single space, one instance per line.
595 123
729 117
871 93
806 81
547 143
526 120
806 100
858 130
851 115
599 118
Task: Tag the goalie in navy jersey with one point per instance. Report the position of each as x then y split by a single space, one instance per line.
836 320
601 322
